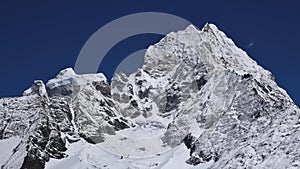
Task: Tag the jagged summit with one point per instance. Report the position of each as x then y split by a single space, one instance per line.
38 87
198 101
217 49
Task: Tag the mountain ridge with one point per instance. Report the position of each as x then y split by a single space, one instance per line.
197 101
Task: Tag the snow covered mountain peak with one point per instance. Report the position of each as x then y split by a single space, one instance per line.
68 82
209 46
69 74
198 101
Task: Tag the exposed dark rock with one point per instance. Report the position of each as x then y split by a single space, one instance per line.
62 90
189 140
143 94
172 102
32 162
103 88
245 76
201 82
92 139
109 113
262 87
120 124
110 103
256 115
134 103
193 161
130 89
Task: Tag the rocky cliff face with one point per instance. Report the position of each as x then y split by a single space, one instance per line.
196 88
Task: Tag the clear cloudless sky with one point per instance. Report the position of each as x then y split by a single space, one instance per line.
38 38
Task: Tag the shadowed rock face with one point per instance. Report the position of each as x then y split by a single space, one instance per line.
68 111
195 86
39 125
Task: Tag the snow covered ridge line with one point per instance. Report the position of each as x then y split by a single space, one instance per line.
198 102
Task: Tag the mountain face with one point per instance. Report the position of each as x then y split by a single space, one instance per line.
198 102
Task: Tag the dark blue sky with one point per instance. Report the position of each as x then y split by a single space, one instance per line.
38 38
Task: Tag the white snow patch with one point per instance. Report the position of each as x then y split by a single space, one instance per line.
68 76
84 155
6 148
